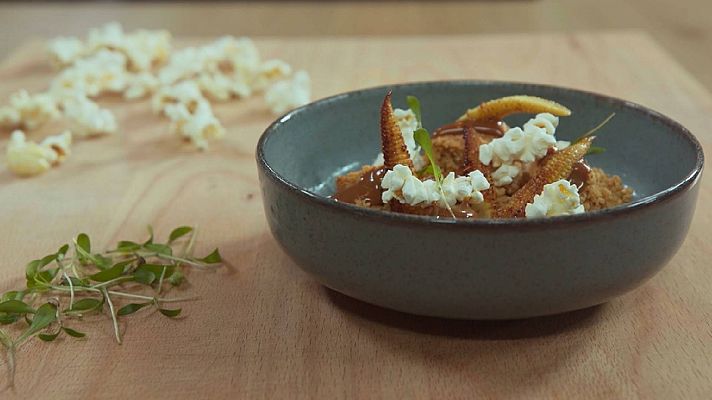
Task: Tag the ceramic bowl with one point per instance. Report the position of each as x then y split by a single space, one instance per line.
477 269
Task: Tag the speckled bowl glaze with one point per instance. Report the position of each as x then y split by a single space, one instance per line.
480 269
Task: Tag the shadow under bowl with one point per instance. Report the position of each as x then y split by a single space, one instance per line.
477 269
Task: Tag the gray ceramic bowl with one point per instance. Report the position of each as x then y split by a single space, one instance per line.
482 269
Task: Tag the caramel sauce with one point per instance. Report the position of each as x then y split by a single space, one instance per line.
368 188
487 127
460 210
580 174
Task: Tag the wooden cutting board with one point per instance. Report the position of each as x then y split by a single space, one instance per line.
263 329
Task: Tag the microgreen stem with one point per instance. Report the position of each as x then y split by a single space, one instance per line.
71 285
58 315
78 289
595 128
160 281
159 299
71 290
11 364
112 282
188 249
80 271
123 294
181 260
74 269
113 314
449 209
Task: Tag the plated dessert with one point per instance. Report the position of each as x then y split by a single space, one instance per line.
480 167
489 266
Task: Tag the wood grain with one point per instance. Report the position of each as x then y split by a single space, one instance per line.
263 329
684 31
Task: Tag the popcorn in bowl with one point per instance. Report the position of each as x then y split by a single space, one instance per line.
491 171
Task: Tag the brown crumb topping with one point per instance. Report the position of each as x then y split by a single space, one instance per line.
604 191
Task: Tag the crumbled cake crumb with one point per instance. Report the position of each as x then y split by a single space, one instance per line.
604 191
448 151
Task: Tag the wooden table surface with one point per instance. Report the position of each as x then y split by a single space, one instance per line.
682 28
263 329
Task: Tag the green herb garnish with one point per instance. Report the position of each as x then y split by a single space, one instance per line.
422 137
595 128
64 288
595 150
414 105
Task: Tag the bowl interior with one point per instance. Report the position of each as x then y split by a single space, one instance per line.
312 145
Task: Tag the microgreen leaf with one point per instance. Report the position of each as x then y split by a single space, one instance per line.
85 256
62 251
13 295
16 306
595 150
46 260
100 261
212 258
125 263
157 269
422 137
71 332
6 319
108 274
150 235
32 269
176 278
178 233
76 281
159 248
48 337
42 278
127 246
35 266
78 277
143 276
45 315
131 308
414 105
83 242
170 313
86 304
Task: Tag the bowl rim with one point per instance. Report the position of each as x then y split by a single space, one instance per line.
401 218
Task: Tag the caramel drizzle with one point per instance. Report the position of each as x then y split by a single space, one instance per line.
368 188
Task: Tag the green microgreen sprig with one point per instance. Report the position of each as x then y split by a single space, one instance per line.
595 149
96 283
414 105
422 137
